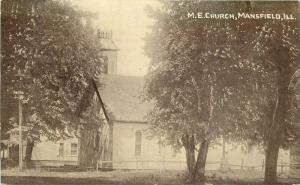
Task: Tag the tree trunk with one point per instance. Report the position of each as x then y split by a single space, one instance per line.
86 99
189 146
28 152
199 169
95 145
277 130
87 154
271 163
190 159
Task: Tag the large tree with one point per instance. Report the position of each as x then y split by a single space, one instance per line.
213 77
278 43
195 73
54 45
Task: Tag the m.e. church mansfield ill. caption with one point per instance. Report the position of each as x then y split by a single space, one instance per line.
240 15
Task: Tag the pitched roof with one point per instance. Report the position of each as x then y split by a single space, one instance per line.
108 44
122 96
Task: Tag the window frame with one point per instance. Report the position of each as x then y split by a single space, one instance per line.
138 144
61 150
73 150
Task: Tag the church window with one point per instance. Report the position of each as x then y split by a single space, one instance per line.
61 149
138 143
74 149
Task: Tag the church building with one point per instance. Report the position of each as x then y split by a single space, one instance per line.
129 144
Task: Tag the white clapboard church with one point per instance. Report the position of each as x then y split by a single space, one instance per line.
132 148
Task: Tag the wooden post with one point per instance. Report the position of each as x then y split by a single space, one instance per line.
20 135
263 165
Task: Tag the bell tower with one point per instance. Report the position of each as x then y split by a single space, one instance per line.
109 50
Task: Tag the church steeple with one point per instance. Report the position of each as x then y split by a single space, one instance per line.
109 50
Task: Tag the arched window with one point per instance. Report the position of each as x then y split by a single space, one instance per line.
138 143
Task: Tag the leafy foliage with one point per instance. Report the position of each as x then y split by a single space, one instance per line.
218 78
55 47
192 58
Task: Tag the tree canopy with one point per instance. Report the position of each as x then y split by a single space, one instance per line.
54 45
216 78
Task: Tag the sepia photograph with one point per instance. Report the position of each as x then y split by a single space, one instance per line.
150 92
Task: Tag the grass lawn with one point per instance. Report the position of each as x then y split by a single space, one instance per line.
134 177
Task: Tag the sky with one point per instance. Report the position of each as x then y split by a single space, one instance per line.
128 21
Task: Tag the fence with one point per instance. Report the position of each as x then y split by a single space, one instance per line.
181 165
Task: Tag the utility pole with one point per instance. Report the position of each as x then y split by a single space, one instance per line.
20 93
